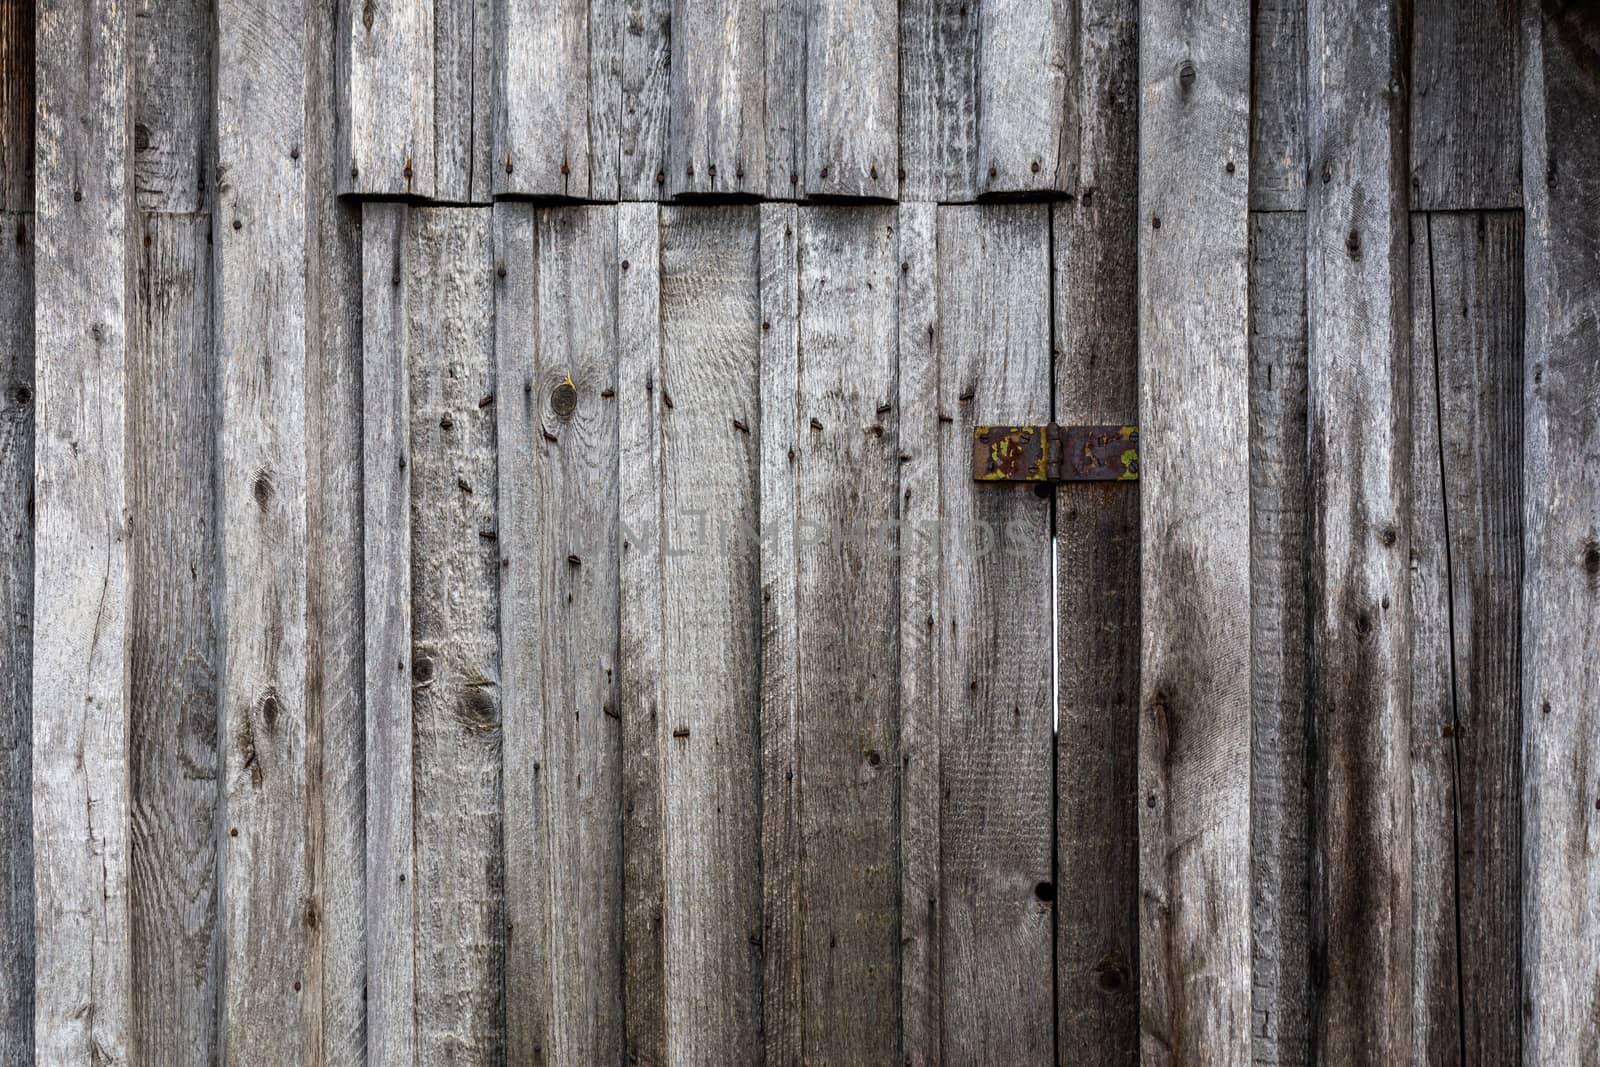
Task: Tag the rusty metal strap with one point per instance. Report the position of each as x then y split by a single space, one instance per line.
1055 453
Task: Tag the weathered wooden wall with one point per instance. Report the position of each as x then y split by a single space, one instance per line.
490 573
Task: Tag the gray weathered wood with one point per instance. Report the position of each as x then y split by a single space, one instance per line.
545 101
16 635
455 638
1097 574
1465 121
1027 96
1194 722
1278 106
718 86
785 97
852 98
641 564
173 652
387 255
996 822
260 329
938 100
921 983
16 105
1358 338
172 117
1561 539
464 38
1280 846
84 204
646 106
386 68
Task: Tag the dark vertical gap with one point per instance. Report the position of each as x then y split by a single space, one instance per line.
1055 666
1450 614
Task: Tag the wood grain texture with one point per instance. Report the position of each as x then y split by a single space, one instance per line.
852 98
387 110
785 97
1357 297
455 638
545 102
1097 573
16 105
1027 97
640 566
1561 537
996 822
1194 723
1278 106
174 659
387 255
16 636
938 100
718 111
921 565
464 35
646 107
172 114
1465 120
1280 816
260 327
84 204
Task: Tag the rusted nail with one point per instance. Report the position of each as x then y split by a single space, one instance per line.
1036 166
666 397
484 402
816 423
607 393
575 560
680 732
463 485
738 424
548 436
967 394
883 409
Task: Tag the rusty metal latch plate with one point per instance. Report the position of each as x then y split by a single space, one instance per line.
1055 453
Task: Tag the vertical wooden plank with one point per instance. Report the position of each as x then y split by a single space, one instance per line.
784 940
173 654
544 98
938 100
386 254
455 643
80 631
1465 124
640 563
1027 97
1278 106
709 759
718 135
852 99
1194 723
260 324
1097 572
646 98
994 657
172 117
785 98
1561 483
463 99
16 105
1357 297
387 76
16 635
1280 818
921 713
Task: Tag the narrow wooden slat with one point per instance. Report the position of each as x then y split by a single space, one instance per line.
1194 722
544 99
1465 122
1561 539
646 98
464 38
387 107
938 100
710 662
1027 97
784 98
16 105
852 98
996 823
260 324
82 965
1097 573
455 638
391 919
16 636
172 117
921 714
1280 845
174 660
640 565
1358 336
718 85
1278 106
